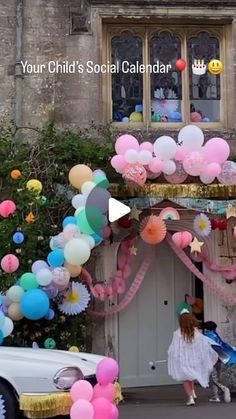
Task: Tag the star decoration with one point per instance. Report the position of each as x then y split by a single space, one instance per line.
133 251
135 213
230 211
196 245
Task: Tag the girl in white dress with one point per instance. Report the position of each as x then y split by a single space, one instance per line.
190 356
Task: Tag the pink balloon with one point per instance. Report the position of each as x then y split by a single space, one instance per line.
179 176
108 392
7 208
216 150
102 408
81 390
193 163
213 169
182 239
82 409
181 153
156 165
119 163
228 173
135 174
107 371
114 413
125 142
10 263
146 146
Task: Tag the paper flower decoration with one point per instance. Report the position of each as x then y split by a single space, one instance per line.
76 300
164 106
202 225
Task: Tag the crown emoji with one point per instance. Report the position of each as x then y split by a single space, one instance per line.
199 67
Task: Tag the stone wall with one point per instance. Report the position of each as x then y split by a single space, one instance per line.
76 99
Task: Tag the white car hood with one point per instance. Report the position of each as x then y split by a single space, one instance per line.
60 359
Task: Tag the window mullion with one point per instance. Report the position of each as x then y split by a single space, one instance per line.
185 84
146 82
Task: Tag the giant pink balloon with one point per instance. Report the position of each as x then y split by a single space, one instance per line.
119 163
107 391
228 173
126 142
216 150
7 208
107 371
82 389
193 163
102 408
10 263
82 409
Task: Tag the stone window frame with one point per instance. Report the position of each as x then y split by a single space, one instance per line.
184 31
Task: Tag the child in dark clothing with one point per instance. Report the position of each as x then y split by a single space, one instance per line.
227 356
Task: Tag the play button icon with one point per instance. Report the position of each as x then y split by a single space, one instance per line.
117 210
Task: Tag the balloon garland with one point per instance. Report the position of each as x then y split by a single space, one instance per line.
175 160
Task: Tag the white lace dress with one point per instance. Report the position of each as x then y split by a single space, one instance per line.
191 361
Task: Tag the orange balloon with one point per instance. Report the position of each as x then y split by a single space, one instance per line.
153 230
80 174
15 174
14 312
74 270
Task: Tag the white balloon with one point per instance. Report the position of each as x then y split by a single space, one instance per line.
7 327
78 200
144 157
87 187
44 277
169 167
15 293
77 251
205 178
165 147
89 239
191 137
131 156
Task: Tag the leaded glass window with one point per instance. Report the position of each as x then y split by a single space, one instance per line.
204 88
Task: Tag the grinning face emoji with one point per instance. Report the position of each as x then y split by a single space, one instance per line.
215 67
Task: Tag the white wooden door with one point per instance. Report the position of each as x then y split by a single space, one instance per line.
147 324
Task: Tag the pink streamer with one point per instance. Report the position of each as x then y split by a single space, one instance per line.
227 297
137 282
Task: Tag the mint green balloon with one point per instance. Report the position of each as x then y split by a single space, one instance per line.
28 281
90 220
102 182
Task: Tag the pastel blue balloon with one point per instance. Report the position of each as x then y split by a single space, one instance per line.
1 299
34 304
56 258
2 319
50 314
98 239
1 337
69 220
18 237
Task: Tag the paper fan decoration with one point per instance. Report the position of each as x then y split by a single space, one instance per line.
76 300
202 225
153 230
169 214
164 106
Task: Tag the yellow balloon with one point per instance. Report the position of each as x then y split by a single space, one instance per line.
136 117
74 349
34 185
14 312
73 269
80 174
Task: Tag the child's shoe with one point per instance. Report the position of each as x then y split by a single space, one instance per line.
191 401
214 399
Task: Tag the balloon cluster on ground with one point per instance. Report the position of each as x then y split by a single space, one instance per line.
51 279
189 156
96 402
